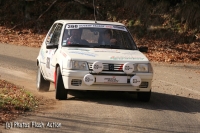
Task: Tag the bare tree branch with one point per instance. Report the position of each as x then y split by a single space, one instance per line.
39 16
47 9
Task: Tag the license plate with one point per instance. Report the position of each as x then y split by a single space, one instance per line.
111 79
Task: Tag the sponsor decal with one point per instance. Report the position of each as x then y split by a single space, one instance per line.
51 52
42 53
111 80
48 63
85 25
97 67
65 42
63 53
125 58
129 53
78 49
128 68
107 51
99 26
87 79
77 26
135 81
83 53
109 26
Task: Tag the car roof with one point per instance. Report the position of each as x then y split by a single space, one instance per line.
88 22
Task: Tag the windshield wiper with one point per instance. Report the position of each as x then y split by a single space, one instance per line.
77 45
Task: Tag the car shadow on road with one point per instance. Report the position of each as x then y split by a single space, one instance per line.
158 101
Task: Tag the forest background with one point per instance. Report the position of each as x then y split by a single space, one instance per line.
170 28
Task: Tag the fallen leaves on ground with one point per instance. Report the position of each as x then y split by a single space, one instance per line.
163 51
14 101
23 37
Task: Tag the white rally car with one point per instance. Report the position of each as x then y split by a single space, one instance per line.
89 55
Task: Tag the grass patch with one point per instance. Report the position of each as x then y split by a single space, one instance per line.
15 100
16 97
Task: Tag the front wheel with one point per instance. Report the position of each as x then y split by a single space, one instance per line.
61 92
42 84
144 96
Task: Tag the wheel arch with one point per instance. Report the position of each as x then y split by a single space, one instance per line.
57 65
38 65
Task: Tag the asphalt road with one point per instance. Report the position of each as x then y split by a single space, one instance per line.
174 105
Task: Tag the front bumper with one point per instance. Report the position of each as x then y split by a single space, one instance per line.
73 79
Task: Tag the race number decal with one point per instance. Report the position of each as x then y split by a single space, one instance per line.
48 63
72 26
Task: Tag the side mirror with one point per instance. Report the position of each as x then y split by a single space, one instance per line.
51 46
143 49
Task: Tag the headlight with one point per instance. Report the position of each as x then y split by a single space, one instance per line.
80 65
142 67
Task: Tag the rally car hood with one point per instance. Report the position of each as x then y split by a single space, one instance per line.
102 54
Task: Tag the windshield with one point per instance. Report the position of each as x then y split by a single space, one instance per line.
97 36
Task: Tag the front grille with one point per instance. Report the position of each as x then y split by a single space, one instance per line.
117 67
76 82
144 85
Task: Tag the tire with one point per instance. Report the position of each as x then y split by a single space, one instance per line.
144 96
42 84
61 92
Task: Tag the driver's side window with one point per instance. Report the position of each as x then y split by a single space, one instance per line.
49 36
54 35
